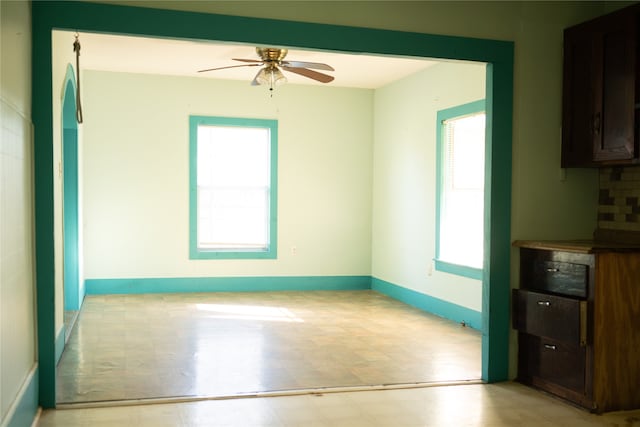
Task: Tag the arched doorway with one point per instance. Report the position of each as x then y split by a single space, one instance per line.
70 219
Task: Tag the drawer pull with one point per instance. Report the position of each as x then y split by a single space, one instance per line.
553 270
550 346
544 303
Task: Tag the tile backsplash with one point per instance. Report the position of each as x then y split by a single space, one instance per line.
619 199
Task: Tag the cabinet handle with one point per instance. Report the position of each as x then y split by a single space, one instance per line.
550 346
544 303
552 270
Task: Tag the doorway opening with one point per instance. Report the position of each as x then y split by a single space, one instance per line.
499 56
116 220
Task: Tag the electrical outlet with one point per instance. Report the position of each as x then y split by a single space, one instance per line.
294 250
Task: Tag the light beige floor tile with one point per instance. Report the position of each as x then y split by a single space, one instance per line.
212 344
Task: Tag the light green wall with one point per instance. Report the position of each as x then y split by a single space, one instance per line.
17 297
404 195
136 148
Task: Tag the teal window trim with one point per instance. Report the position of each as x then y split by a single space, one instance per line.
442 115
271 250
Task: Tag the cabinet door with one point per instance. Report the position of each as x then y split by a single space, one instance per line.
578 97
614 75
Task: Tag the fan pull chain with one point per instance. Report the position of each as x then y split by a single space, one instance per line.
76 49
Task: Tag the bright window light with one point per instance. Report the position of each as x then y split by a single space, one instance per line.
460 225
250 312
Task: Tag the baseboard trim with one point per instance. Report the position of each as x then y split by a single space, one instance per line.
24 409
430 304
225 284
419 300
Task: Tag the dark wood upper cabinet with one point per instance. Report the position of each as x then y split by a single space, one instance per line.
599 91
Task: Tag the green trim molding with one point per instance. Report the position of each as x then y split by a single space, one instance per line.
226 284
497 220
446 309
272 248
108 18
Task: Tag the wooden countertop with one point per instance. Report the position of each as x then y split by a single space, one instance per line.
581 246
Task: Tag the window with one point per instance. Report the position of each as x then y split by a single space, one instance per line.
233 176
460 190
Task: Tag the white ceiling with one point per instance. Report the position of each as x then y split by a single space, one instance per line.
185 58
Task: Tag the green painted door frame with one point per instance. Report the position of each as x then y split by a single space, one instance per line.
95 17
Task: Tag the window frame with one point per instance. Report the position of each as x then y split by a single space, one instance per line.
250 253
459 111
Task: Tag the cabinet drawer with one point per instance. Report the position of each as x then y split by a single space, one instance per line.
558 277
560 318
548 361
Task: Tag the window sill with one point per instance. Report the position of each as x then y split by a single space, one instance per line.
459 270
232 254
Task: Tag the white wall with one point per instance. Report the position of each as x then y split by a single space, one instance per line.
17 296
404 195
136 147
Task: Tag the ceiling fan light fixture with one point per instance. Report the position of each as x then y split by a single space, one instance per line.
271 76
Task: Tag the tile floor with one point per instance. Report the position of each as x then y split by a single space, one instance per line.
504 404
220 344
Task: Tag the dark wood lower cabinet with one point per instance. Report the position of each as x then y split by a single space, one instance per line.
554 365
577 313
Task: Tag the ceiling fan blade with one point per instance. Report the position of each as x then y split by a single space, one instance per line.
248 60
323 78
229 66
302 64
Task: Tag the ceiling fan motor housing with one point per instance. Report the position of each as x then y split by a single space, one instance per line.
271 55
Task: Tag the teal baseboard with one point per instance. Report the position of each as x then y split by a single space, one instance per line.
60 343
225 284
424 302
25 408
429 304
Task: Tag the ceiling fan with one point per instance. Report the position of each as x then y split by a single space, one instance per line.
272 60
